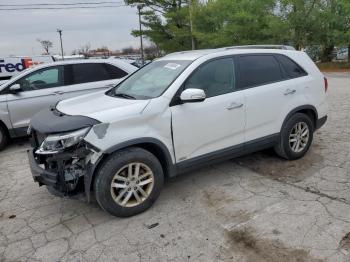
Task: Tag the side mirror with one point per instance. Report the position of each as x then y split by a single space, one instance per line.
15 88
192 95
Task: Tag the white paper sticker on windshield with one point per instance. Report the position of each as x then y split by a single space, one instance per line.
172 66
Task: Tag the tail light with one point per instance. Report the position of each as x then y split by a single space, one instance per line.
325 84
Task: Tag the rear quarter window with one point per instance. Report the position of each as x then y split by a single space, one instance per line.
89 72
291 69
115 72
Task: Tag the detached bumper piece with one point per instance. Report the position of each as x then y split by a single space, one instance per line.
320 122
40 175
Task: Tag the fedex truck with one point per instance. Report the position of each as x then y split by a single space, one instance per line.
14 65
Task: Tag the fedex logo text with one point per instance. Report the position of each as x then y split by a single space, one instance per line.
11 67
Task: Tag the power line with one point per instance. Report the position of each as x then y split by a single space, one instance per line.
61 4
59 8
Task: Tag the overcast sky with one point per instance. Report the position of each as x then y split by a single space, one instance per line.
111 27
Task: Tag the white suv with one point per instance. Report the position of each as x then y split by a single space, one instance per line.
181 111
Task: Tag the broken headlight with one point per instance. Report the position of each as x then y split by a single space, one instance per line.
58 142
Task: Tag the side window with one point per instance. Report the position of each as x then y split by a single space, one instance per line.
41 79
85 73
114 72
258 70
214 78
292 69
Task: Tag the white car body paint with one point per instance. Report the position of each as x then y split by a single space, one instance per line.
204 127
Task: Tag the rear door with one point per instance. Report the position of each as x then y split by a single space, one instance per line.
89 77
39 90
270 94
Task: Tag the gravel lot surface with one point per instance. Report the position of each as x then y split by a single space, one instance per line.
254 208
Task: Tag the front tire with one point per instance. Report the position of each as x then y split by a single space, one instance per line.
296 137
4 138
128 182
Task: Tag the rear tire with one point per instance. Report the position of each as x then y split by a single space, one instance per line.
4 138
296 137
128 182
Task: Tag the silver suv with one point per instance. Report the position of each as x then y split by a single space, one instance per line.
45 85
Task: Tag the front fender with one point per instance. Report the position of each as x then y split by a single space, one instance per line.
97 158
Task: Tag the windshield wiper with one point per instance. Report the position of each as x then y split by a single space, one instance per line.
123 95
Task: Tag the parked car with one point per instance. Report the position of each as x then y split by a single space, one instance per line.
342 54
314 52
45 85
179 112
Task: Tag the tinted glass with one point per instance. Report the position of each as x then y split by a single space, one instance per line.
151 80
258 70
115 72
214 78
291 68
44 78
84 73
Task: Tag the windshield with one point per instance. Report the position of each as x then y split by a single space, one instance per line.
151 80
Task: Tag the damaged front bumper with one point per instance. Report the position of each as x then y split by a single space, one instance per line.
40 175
66 172
60 158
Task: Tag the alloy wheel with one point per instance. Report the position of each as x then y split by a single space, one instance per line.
132 184
299 137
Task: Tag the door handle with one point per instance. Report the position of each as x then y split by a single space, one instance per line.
58 93
234 106
289 92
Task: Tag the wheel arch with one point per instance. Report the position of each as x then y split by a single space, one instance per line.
308 110
2 124
154 146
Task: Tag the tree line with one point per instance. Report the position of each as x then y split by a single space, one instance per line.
175 25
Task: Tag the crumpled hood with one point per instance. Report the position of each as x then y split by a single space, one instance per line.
101 107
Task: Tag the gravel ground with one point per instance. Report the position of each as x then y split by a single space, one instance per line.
254 208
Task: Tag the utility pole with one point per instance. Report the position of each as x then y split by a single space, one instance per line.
191 24
139 7
59 31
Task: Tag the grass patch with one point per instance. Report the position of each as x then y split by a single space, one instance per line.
334 66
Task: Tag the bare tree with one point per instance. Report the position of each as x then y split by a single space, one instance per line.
84 49
102 49
152 51
46 45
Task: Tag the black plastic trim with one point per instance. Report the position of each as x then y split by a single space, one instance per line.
90 170
40 175
147 140
227 153
320 122
299 108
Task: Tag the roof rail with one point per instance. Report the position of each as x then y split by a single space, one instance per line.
285 47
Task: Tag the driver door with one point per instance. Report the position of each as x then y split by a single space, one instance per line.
215 126
39 90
